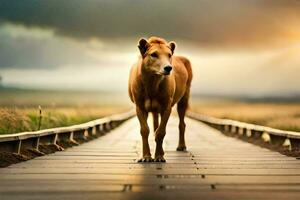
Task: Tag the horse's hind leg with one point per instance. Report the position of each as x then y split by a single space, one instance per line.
182 106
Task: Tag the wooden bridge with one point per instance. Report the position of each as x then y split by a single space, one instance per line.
214 167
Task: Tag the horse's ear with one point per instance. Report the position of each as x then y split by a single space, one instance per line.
143 46
172 46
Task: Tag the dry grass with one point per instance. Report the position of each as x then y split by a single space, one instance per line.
284 116
19 108
14 120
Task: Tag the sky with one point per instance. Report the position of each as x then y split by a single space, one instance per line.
237 47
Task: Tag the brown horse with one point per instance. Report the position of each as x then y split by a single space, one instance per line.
157 82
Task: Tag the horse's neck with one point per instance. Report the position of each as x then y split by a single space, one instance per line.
151 84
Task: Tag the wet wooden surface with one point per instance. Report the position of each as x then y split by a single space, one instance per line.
214 167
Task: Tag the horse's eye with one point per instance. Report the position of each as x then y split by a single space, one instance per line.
170 55
154 55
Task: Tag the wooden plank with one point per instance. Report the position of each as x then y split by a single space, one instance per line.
169 166
9 185
167 195
150 179
109 187
118 171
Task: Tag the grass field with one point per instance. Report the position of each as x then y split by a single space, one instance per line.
19 109
14 120
280 115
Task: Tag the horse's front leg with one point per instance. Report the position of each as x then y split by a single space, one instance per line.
142 116
160 134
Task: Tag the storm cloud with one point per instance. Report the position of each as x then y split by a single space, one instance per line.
30 47
237 47
234 24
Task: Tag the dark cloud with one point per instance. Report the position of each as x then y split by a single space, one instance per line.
27 51
230 23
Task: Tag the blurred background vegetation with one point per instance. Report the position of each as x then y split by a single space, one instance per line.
279 114
19 110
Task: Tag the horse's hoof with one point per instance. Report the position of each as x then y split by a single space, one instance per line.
145 159
181 148
159 159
